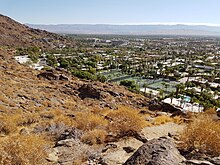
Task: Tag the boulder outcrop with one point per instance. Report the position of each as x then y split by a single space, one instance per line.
160 151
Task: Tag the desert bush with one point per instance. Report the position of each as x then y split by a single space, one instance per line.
210 111
202 134
23 150
63 119
28 119
162 120
178 119
3 108
53 124
8 123
88 121
125 120
51 129
58 117
101 111
95 136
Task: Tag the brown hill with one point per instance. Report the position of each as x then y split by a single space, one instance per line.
36 107
15 34
51 102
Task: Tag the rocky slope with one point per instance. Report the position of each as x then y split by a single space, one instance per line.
51 117
16 34
26 88
51 102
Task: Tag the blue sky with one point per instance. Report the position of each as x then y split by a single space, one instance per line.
112 11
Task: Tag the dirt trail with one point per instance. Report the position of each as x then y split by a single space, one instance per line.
119 156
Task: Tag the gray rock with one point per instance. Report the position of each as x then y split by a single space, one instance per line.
66 143
90 91
128 149
24 131
109 146
53 156
198 162
215 160
160 151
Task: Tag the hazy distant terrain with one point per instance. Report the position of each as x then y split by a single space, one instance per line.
131 29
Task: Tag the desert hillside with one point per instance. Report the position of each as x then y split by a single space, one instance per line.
51 117
16 34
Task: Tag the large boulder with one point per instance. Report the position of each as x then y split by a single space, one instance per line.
53 75
90 91
160 151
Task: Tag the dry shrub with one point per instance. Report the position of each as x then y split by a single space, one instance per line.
211 111
178 119
162 120
57 116
78 162
23 150
95 136
53 124
101 111
89 121
125 120
202 134
28 119
51 129
8 123
47 103
69 104
3 98
3 108
63 119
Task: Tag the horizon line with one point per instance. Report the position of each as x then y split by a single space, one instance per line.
149 23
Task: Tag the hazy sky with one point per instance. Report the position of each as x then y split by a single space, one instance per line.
112 11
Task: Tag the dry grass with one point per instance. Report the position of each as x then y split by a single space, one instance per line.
69 104
211 111
178 120
28 119
57 116
159 120
125 120
9 123
3 108
23 150
96 136
202 134
88 121
53 124
162 120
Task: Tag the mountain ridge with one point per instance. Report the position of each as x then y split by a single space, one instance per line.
15 34
178 29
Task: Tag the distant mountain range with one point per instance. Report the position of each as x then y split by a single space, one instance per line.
179 29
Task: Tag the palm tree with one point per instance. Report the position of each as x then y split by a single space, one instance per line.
172 96
161 92
203 86
190 74
145 85
179 89
166 86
